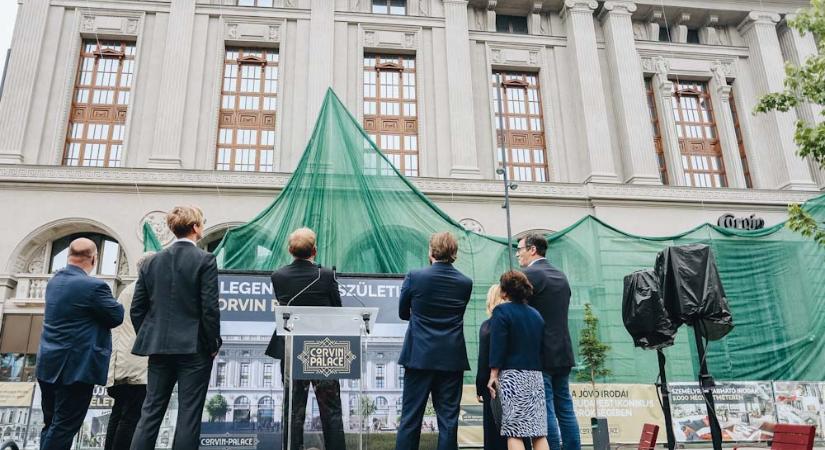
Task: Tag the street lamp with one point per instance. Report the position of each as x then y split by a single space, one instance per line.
503 170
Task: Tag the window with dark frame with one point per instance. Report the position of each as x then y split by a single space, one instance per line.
657 132
698 138
390 109
740 142
393 7
244 378
249 100
379 376
523 133
220 375
97 122
511 24
267 380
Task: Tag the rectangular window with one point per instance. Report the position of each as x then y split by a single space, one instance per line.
657 132
511 24
698 140
394 7
249 99
400 377
19 340
97 121
741 142
244 378
267 381
379 376
390 109
523 132
220 375
262 3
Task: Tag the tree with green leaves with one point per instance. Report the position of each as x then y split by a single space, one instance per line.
804 84
593 352
366 408
216 407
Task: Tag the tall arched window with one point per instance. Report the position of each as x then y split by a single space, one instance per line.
108 253
241 410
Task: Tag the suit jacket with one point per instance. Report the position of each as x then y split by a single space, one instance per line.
551 297
175 305
434 299
291 279
77 342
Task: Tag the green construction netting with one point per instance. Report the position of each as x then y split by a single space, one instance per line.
370 219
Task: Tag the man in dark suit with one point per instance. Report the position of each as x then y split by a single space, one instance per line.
305 283
551 297
434 355
177 321
75 344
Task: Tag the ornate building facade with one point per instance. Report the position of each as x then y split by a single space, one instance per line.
637 112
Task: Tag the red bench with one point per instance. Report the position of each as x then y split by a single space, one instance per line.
791 437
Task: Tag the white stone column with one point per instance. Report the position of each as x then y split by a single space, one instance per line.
663 95
796 49
635 135
464 156
491 15
780 166
319 73
21 74
593 127
725 127
166 146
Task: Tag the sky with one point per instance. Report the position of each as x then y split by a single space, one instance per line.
8 12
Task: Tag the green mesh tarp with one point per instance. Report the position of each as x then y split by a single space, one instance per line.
370 219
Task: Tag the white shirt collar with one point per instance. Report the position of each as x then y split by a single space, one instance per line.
184 240
535 261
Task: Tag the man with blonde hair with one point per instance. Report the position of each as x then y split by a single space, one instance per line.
434 354
177 321
305 283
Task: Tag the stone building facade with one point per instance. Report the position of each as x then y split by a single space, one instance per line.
637 112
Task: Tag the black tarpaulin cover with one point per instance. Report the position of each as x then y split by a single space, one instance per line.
643 311
692 291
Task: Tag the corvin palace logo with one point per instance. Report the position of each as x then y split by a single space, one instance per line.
327 357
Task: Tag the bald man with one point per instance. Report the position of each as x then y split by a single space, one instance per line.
75 344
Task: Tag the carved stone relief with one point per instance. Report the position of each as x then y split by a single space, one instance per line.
157 220
472 225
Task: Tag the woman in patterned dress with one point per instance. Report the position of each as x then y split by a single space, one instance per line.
515 364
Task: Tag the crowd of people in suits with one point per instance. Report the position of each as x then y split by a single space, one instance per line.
164 331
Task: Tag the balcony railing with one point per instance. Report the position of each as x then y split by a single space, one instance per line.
31 288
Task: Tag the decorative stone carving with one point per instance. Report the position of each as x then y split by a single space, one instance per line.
661 66
249 31
527 56
423 7
37 263
709 34
409 40
390 39
113 23
653 20
720 73
369 38
639 31
157 220
472 225
495 55
122 264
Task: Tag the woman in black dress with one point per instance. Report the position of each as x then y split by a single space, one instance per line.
516 332
493 440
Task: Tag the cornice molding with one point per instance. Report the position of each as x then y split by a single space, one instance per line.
17 177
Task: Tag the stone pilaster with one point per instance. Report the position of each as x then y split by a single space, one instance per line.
21 74
464 157
635 136
534 19
663 95
780 167
166 146
725 127
491 15
796 49
592 121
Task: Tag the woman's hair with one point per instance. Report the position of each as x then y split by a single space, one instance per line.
515 286
443 247
493 298
182 220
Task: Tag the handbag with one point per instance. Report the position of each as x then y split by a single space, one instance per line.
495 406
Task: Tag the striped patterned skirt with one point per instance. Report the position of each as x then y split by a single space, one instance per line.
524 413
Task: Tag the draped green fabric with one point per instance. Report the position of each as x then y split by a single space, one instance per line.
370 219
151 243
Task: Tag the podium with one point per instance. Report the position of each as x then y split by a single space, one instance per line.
322 343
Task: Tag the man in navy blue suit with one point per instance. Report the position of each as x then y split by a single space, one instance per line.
551 297
75 344
434 355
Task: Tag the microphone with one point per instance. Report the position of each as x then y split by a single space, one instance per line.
365 316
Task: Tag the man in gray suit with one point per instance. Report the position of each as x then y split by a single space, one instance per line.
175 314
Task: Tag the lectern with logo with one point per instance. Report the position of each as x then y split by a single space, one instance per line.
322 343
